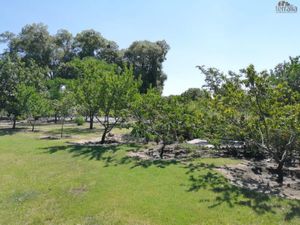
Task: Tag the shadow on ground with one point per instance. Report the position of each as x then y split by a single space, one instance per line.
200 176
10 131
136 162
90 152
72 130
235 196
107 154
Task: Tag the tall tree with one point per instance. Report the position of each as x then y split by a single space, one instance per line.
193 94
147 58
88 43
288 72
33 43
64 40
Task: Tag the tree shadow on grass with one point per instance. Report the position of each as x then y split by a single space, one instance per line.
105 153
148 163
73 131
202 176
90 152
111 159
294 211
10 131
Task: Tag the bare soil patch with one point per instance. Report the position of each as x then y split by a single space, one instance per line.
260 176
112 139
78 190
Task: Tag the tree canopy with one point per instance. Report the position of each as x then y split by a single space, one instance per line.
34 42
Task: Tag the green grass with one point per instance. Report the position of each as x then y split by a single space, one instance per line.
51 182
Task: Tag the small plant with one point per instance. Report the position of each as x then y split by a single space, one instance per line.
79 121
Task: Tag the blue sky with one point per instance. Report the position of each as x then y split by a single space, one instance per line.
227 34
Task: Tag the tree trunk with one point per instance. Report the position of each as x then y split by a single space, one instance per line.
162 150
62 128
147 139
103 136
279 171
91 120
14 123
175 136
55 118
32 125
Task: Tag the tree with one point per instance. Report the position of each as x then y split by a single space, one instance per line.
110 53
90 72
288 72
213 78
274 124
147 58
162 119
88 43
256 110
14 74
116 94
33 43
65 107
193 94
36 106
64 45
16 106
104 92
55 94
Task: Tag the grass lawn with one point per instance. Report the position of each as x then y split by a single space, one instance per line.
52 182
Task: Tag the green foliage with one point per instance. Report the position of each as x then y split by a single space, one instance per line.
163 119
63 41
79 120
104 92
274 124
66 107
34 43
15 76
88 43
37 105
256 110
288 72
147 58
193 94
88 86
117 93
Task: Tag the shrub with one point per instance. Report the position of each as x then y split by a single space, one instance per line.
79 121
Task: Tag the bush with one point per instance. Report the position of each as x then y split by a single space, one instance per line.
79 121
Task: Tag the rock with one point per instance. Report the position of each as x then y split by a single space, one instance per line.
200 142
